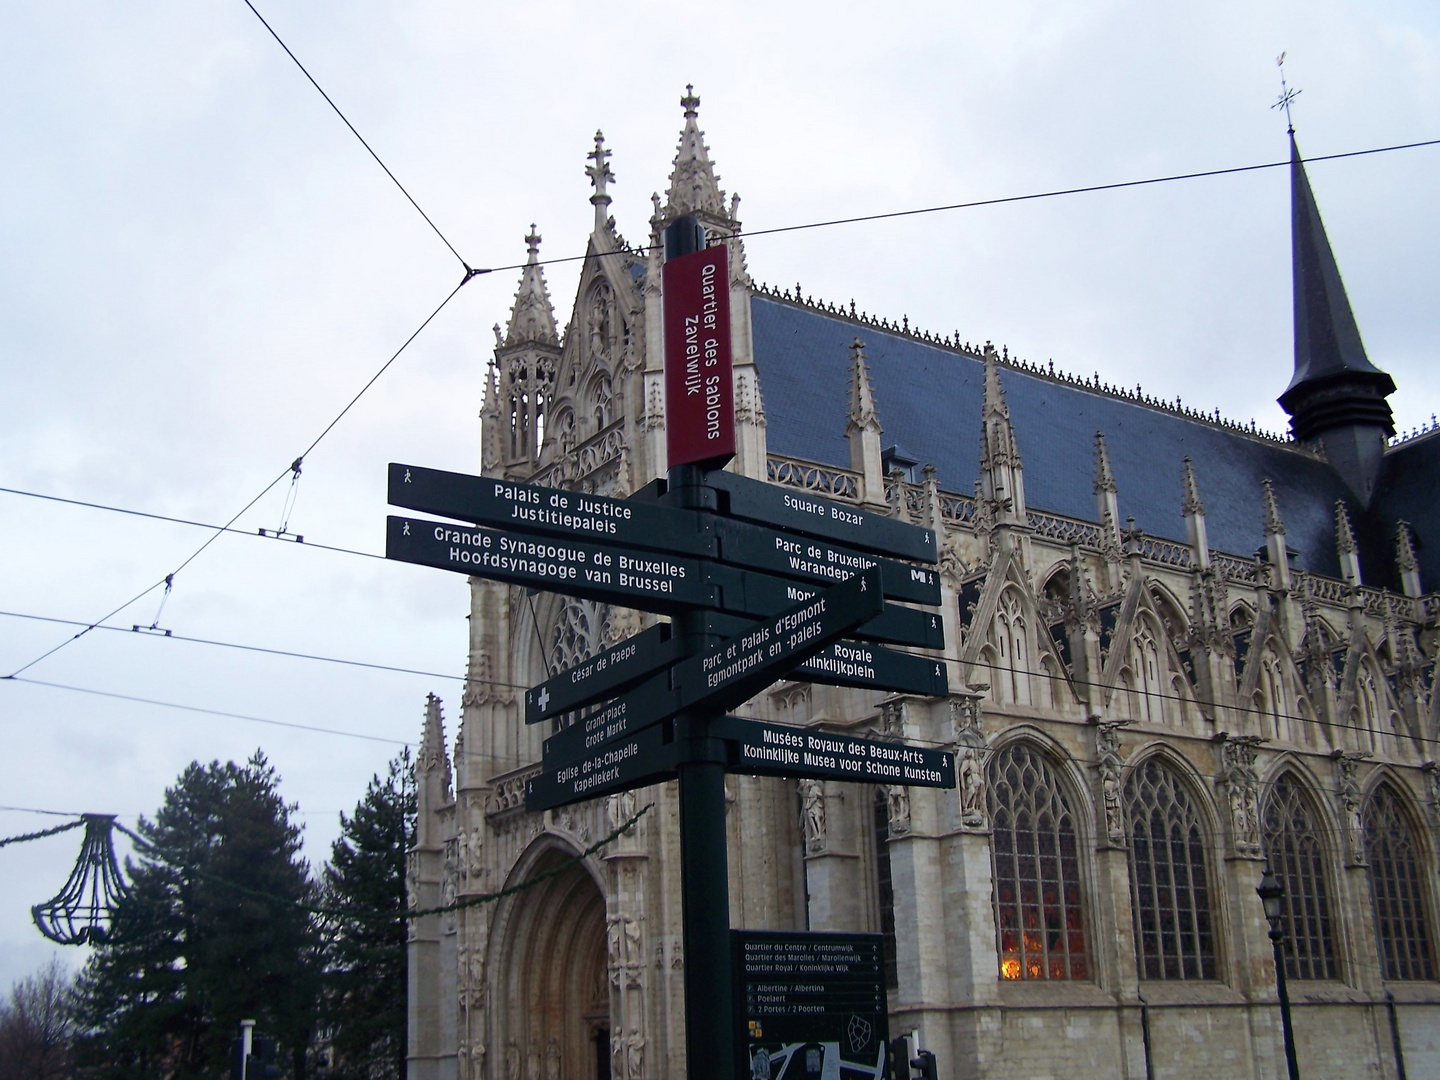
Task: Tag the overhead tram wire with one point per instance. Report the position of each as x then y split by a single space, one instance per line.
745 234
469 272
168 636
224 714
168 579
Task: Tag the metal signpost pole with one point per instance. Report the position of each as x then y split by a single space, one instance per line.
704 870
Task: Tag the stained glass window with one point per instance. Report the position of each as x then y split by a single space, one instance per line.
1402 921
1295 854
1039 914
1168 876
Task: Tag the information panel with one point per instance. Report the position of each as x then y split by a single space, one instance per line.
699 388
809 1005
603 676
644 758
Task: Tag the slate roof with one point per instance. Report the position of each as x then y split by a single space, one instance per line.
928 398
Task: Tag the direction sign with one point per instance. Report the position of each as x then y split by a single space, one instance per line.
728 673
699 389
756 547
785 750
641 759
614 575
895 625
547 511
801 512
869 667
809 1005
645 706
603 676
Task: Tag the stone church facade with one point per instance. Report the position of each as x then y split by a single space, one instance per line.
1143 714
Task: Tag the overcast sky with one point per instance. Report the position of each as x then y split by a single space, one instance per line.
199 265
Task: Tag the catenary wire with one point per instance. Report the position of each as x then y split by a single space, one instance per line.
169 636
304 71
1002 200
207 712
169 578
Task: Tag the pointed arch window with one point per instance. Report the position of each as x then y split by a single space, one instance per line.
1013 649
1034 852
1367 700
1169 877
1149 683
1402 918
1271 701
1296 855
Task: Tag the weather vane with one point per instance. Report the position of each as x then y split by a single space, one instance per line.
1287 95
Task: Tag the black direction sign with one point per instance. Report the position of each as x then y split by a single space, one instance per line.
801 512
809 559
895 625
645 706
784 750
641 759
613 575
809 1005
730 672
603 676
869 667
547 511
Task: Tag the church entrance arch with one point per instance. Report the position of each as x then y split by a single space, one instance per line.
551 1001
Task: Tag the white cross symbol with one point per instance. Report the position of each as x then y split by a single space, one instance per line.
544 699
406 530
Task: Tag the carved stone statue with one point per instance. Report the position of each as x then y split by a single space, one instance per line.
1110 762
897 799
971 753
1347 794
1242 783
812 799
512 1061
634 1056
552 1060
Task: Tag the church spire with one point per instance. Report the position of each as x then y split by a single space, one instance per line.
694 187
1194 512
532 317
1275 548
1107 499
1336 393
862 429
1345 544
1001 478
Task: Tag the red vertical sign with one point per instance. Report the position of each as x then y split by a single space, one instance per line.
699 393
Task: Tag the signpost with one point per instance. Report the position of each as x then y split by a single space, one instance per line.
760 583
809 1005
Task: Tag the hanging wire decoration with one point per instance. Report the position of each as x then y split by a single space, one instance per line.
84 909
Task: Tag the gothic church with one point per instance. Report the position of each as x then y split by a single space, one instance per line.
1178 648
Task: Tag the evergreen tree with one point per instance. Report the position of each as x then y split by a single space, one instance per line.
214 930
365 1005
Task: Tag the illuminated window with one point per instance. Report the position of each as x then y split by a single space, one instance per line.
1292 846
1039 917
1168 876
1402 921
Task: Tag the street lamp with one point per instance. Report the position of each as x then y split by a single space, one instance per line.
1272 896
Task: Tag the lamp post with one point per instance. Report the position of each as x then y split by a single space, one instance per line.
1272 895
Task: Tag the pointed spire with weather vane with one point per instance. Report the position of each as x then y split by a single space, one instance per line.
600 175
694 187
532 316
1336 394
